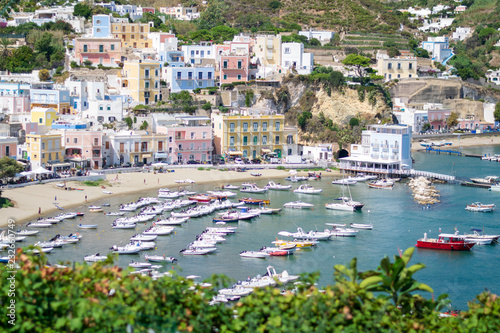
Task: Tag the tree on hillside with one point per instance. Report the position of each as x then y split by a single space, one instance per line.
359 63
452 120
496 113
83 10
44 75
213 15
9 167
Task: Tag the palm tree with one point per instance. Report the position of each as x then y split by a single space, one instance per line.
4 44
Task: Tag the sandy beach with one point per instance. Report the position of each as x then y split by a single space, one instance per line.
460 141
29 199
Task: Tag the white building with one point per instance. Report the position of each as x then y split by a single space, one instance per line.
384 149
412 117
438 47
197 54
294 58
462 33
322 36
163 41
322 152
105 110
493 76
82 92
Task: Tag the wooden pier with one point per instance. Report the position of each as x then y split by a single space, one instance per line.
473 155
471 184
444 151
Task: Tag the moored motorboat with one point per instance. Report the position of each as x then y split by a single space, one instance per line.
127 249
158 258
38 225
171 221
282 277
298 205
251 201
344 181
159 230
495 187
26 232
198 251
342 232
95 209
254 254
231 187
95 257
479 207
135 264
480 238
307 189
361 226
277 187
452 242
115 214
253 189
488 180
383 184
345 204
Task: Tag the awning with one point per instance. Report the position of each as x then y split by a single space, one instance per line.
235 153
147 155
265 151
61 165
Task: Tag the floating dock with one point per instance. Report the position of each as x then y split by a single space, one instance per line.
444 151
471 184
473 155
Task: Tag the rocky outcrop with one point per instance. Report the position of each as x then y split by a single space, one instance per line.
441 90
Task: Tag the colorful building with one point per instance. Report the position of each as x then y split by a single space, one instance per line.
8 147
44 149
397 68
189 78
234 68
133 35
46 95
43 116
142 81
83 147
191 140
249 135
103 51
14 97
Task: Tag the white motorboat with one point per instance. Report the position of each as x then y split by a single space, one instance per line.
123 225
135 264
95 209
222 194
224 230
64 216
237 290
38 225
360 177
344 181
9 237
258 282
87 226
95 258
159 230
344 204
495 187
253 189
198 251
127 249
26 232
115 214
51 220
43 249
158 258
203 243
282 277
298 205
342 232
269 210
361 226
151 210
277 187
480 238
171 221
231 187
488 180
300 234
254 254
383 184
144 246
307 189
479 207
51 243
142 237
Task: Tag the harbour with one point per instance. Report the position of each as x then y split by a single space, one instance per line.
397 224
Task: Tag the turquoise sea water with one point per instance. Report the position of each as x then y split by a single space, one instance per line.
398 222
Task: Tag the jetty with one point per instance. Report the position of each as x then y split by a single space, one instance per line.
444 151
471 184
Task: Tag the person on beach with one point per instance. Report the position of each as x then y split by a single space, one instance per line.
39 210
85 198
144 181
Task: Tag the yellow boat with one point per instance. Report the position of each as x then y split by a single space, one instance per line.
297 243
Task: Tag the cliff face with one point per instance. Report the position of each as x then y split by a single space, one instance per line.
440 90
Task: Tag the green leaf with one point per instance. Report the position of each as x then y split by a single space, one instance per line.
424 287
408 254
370 281
415 268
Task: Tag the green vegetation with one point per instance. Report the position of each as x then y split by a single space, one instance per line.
496 113
201 168
9 168
5 203
94 183
129 122
104 298
144 126
280 167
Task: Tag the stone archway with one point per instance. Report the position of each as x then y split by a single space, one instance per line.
342 153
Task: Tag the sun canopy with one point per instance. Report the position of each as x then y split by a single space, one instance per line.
235 153
40 171
265 151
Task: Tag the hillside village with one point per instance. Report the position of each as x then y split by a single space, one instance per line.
117 87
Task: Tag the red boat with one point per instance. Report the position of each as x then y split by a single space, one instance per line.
250 201
451 242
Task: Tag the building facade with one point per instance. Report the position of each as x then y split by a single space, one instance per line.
142 81
384 149
189 78
249 136
83 147
234 68
133 35
8 147
294 58
397 68
103 51
46 95
44 149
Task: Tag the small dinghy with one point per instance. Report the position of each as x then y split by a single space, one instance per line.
172 221
127 249
142 237
115 214
95 258
158 258
159 230
134 264
95 209
26 232
361 226
38 225
198 251
254 254
87 226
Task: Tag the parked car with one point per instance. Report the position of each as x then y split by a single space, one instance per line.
238 161
193 162
256 161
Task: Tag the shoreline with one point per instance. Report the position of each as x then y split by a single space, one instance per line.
27 200
459 142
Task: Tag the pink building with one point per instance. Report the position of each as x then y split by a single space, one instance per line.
8 147
104 51
15 104
30 127
148 10
437 118
84 147
233 68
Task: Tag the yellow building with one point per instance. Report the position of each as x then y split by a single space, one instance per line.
142 80
43 116
44 149
248 135
397 68
132 34
268 49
